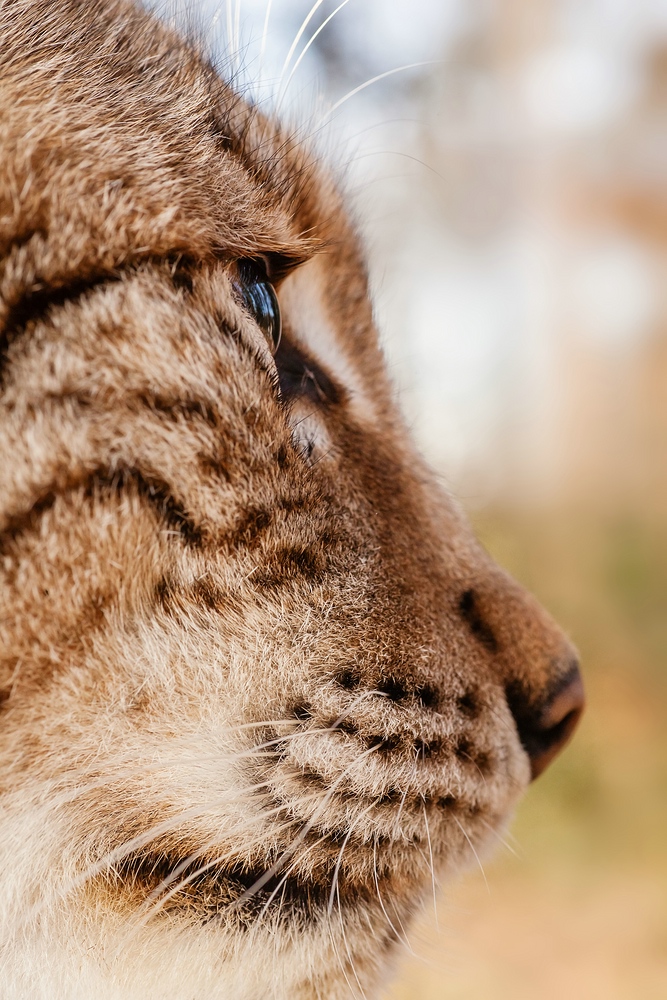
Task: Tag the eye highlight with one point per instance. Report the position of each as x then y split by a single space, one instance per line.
259 297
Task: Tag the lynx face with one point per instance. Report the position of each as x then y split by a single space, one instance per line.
259 681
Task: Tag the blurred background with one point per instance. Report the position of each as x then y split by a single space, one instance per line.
511 185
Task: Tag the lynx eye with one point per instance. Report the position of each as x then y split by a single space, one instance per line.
259 297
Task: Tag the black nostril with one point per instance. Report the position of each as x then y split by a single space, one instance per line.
544 728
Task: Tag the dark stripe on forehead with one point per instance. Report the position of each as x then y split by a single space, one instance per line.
35 304
281 564
154 490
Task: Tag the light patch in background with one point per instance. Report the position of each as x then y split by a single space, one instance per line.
615 293
573 87
453 338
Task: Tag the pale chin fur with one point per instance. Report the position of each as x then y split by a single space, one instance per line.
260 688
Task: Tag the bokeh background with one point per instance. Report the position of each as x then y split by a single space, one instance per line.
511 184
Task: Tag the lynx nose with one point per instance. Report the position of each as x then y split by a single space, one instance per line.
544 729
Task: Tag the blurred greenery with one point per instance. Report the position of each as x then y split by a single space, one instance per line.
579 911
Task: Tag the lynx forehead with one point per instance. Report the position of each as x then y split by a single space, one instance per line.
259 683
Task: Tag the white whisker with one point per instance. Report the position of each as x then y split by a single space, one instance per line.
230 27
476 855
402 938
304 50
306 21
237 30
499 837
430 854
265 32
347 947
368 83
398 814
334 880
266 876
283 882
339 959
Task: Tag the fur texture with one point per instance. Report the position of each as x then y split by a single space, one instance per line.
258 679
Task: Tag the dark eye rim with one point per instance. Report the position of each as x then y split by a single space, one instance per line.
256 292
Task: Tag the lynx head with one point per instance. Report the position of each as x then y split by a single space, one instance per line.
260 683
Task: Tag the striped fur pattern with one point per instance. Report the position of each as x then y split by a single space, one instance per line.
253 665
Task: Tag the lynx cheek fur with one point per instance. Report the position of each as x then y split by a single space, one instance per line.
258 679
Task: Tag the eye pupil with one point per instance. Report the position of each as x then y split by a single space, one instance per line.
259 297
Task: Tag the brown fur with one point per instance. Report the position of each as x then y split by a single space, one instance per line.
255 668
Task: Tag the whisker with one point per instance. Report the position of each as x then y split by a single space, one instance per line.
334 880
115 855
341 963
159 829
474 764
396 152
398 813
389 121
237 30
430 852
405 933
144 839
172 822
369 83
402 938
304 50
476 855
283 882
499 837
230 28
153 904
347 947
306 21
265 32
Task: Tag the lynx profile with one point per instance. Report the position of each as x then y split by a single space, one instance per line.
256 674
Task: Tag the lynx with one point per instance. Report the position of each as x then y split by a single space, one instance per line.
260 685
